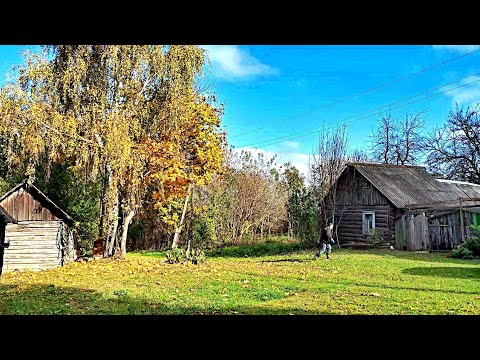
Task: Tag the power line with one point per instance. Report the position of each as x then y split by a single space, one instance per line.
375 110
355 95
312 131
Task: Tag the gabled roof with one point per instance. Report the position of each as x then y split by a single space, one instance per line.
406 184
40 197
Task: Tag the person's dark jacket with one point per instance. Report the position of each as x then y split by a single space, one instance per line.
327 236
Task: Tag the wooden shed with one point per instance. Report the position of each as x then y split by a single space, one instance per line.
397 200
440 225
37 234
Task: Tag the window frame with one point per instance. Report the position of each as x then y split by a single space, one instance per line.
366 231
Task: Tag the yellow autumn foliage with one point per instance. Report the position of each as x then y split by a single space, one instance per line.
126 114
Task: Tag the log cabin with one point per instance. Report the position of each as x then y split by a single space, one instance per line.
402 202
35 233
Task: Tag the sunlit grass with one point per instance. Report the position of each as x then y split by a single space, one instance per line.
271 278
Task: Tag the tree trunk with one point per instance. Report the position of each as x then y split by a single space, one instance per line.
98 244
178 230
123 234
101 224
111 235
2 251
192 220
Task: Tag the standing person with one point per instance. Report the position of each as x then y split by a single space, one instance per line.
325 242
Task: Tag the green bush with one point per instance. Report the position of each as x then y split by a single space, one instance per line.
176 256
470 248
375 237
195 256
473 243
462 252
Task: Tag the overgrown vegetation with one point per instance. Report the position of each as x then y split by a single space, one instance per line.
301 207
282 280
470 248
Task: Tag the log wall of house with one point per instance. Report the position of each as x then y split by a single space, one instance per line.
23 207
355 194
33 246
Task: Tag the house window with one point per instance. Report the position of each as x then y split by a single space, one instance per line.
368 221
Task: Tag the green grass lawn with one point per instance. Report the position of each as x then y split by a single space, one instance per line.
272 278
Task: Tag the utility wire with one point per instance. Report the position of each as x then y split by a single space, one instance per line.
355 95
343 122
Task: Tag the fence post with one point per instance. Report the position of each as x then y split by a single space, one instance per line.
462 229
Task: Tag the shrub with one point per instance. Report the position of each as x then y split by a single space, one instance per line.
375 237
462 252
469 248
473 243
196 256
176 256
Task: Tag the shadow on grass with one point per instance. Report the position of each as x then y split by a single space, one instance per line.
54 300
286 260
411 255
257 250
446 272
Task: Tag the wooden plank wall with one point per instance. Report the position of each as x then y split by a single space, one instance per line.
359 195
468 222
424 233
419 231
445 230
400 234
23 207
33 245
442 232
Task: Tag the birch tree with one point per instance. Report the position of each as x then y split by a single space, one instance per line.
98 105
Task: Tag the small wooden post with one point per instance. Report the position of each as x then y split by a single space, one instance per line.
462 229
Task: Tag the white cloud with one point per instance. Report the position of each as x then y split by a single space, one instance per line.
457 48
291 144
297 159
468 95
232 62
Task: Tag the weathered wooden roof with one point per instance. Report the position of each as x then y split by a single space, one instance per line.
42 198
407 185
462 189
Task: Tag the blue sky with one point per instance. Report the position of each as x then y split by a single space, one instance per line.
272 87
263 85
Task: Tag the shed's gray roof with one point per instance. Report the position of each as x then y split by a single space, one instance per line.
462 189
406 185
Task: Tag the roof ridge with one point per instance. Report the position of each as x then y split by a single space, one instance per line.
353 163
